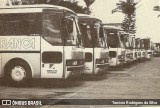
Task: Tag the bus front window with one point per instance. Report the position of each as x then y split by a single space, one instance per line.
51 29
72 31
96 33
113 40
124 40
86 33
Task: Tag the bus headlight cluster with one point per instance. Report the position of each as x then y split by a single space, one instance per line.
100 61
71 63
74 62
131 55
128 55
121 57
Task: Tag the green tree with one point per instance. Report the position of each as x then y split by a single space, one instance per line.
73 5
88 3
127 7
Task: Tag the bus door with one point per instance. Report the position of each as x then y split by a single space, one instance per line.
51 47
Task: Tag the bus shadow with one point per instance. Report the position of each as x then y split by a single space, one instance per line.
97 77
48 83
45 83
117 68
58 83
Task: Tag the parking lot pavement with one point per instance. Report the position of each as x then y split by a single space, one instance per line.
138 81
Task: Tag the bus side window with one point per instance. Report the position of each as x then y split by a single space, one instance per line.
2 25
33 25
22 24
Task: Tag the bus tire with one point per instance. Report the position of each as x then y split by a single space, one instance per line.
17 72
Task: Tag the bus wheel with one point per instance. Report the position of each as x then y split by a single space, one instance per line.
17 73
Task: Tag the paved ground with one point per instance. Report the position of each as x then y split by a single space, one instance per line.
139 81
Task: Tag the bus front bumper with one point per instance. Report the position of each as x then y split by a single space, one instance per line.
119 62
74 71
102 67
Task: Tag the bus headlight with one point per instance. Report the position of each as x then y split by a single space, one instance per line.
74 63
81 62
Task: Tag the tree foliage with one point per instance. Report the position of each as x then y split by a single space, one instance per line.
128 7
128 24
71 4
89 2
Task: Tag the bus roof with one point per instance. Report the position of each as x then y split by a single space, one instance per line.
31 8
111 27
85 16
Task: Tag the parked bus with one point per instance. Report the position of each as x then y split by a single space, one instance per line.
138 48
126 40
156 50
152 47
116 48
142 50
96 50
39 41
134 48
147 46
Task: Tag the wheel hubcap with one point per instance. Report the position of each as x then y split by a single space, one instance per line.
18 73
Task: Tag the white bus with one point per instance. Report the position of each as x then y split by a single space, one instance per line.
39 41
147 46
138 50
142 50
126 40
134 48
96 50
116 48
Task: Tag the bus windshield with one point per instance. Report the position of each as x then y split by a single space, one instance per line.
112 38
98 35
73 32
137 43
86 33
125 40
51 29
147 44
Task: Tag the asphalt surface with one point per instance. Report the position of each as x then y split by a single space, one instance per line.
137 81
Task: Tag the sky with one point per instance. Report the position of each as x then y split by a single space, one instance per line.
147 21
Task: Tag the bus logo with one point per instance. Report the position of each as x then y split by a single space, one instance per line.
17 43
6 102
